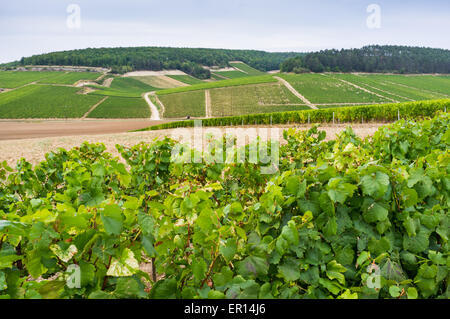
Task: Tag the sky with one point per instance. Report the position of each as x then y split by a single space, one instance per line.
30 27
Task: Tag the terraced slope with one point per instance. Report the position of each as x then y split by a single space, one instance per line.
69 78
219 84
246 68
186 79
124 87
231 74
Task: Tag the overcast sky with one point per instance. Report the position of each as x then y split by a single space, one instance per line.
30 27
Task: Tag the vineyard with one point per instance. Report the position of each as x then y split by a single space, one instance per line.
180 105
12 79
220 84
354 114
347 218
231 74
322 89
121 107
248 92
247 99
186 79
385 86
246 68
45 101
124 87
69 78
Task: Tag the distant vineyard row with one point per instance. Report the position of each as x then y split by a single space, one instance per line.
363 113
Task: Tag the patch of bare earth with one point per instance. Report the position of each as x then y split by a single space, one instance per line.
34 150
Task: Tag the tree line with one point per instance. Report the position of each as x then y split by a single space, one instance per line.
374 58
189 60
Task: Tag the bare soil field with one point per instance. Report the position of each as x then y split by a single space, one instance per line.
26 129
154 73
160 82
34 150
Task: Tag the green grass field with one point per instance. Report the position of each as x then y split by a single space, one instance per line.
215 77
186 79
14 79
439 86
232 74
322 89
384 85
121 107
184 104
69 78
45 101
219 84
249 99
396 94
124 87
246 68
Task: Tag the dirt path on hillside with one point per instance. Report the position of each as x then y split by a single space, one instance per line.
208 110
154 73
94 107
295 92
153 109
34 150
107 82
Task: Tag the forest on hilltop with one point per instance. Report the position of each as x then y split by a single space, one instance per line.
374 58
189 60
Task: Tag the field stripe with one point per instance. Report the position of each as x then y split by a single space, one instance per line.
208 112
94 107
416 88
294 91
364 89
153 109
220 76
384 91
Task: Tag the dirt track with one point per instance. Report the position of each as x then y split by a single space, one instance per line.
34 150
26 129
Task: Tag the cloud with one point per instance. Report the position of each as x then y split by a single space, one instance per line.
32 27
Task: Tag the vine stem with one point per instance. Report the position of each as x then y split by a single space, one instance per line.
153 269
1 240
105 279
211 266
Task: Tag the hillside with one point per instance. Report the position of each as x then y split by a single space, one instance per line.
30 94
189 60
